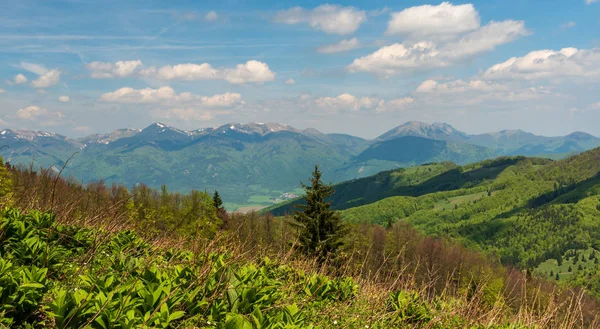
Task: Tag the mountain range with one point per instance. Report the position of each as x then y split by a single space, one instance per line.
252 163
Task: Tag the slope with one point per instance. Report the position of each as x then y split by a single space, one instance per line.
533 211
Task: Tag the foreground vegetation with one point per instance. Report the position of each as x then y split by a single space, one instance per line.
530 213
94 256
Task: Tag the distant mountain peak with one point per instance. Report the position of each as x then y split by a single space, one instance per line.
437 130
29 135
109 137
159 127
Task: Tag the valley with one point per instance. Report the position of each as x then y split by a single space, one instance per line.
238 159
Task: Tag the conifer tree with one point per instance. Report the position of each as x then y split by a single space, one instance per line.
321 229
221 212
217 200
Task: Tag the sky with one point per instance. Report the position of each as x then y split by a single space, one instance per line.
78 67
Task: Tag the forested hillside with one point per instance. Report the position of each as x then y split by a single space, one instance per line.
94 256
531 213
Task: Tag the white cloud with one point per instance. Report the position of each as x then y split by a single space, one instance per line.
595 106
31 112
345 102
47 118
590 1
459 86
19 79
398 58
406 57
250 72
549 64
148 95
2 91
120 69
64 99
47 78
33 68
211 16
568 25
395 104
351 103
187 72
428 21
341 46
290 81
222 100
166 95
486 38
459 93
332 19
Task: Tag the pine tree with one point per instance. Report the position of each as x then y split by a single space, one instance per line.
221 212
321 229
557 277
217 200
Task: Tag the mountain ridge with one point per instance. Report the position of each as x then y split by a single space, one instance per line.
250 163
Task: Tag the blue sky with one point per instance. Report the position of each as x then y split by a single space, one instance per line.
78 67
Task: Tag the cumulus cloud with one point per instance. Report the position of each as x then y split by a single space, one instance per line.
477 91
406 57
331 19
396 58
211 16
166 95
47 118
31 112
47 78
351 103
459 86
341 46
549 64
486 38
19 79
64 99
436 36
187 72
290 81
345 102
428 21
395 104
250 72
120 69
